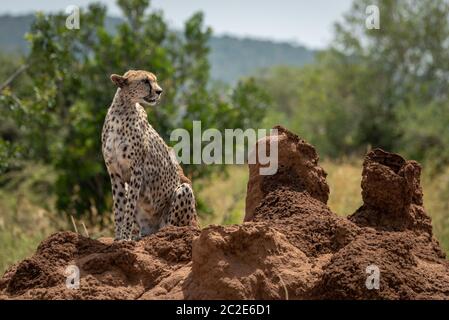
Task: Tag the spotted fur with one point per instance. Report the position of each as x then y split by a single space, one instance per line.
147 187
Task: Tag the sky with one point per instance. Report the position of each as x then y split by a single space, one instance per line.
307 22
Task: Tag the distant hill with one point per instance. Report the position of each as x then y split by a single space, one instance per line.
12 29
230 57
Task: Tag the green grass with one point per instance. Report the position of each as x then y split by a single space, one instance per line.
25 213
225 196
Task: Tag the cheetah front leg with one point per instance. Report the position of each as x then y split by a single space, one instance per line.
131 228
182 210
119 202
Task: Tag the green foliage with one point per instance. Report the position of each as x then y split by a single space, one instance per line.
11 113
380 88
426 132
406 62
25 212
70 70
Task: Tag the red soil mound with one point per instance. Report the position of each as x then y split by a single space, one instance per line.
292 246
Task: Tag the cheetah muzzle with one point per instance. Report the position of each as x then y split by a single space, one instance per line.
147 189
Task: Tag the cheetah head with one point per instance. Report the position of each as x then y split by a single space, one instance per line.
139 86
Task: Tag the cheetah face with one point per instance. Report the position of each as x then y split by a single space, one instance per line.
139 86
146 90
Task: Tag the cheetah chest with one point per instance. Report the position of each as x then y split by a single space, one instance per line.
117 155
120 147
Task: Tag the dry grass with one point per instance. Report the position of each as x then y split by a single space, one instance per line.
344 178
436 203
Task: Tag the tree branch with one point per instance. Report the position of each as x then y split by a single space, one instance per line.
17 73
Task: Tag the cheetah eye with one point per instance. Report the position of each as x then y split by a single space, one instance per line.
146 81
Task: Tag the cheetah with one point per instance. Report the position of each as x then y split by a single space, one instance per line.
149 190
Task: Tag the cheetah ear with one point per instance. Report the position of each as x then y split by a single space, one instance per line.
120 81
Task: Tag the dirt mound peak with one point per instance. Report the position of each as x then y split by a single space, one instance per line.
298 170
392 194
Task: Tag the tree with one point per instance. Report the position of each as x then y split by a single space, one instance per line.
405 63
381 88
70 74
12 112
